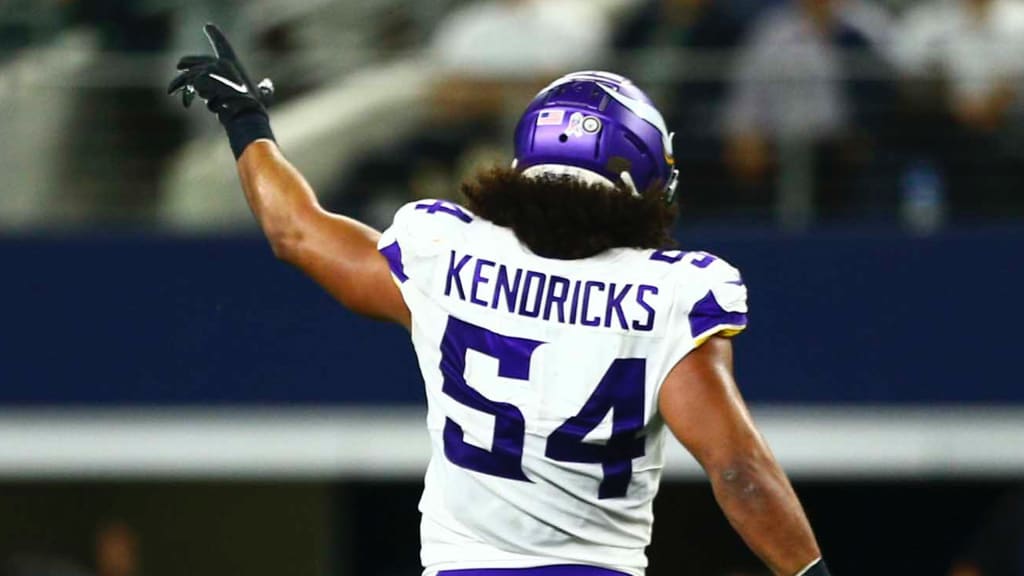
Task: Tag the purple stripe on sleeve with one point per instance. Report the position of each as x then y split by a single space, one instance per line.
561 570
708 314
393 252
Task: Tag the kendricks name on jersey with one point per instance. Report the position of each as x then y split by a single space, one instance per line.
533 294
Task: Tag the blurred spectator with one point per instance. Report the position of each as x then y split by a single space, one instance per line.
793 100
488 48
692 41
997 548
701 24
492 55
117 550
962 60
488 57
508 39
976 46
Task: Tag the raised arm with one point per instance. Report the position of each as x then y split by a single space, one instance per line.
704 409
337 252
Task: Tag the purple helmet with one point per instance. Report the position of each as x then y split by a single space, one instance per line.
598 127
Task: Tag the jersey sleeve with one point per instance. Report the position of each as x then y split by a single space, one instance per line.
711 299
421 231
722 308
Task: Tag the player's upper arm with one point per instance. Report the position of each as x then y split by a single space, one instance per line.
703 407
341 255
337 252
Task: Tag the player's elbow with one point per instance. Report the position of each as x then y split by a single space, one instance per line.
744 477
286 243
290 233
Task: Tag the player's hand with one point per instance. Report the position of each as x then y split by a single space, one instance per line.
221 81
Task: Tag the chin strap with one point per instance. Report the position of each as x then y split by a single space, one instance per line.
628 181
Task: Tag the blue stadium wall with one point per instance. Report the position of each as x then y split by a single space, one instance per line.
850 317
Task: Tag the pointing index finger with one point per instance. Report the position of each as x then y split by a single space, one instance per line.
219 42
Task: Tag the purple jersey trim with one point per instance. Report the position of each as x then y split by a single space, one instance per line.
708 314
561 570
393 253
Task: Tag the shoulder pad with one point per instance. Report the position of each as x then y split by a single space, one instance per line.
420 230
710 289
425 224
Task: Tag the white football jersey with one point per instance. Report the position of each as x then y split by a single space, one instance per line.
542 380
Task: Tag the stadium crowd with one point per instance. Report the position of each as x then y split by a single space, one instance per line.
795 111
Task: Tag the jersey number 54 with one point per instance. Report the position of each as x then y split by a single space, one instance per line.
620 391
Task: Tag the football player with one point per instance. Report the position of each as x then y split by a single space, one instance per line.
558 333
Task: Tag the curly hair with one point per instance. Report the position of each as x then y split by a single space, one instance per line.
564 218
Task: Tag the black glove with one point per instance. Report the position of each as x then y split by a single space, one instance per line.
222 82
816 569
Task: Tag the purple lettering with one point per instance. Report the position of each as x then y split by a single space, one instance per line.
575 301
524 309
453 275
615 304
670 256
560 297
502 286
586 303
704 261
445 208
648 325
479 279
505 459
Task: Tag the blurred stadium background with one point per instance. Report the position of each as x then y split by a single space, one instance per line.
173 401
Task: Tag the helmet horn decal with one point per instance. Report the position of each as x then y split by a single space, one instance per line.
646 112
588 76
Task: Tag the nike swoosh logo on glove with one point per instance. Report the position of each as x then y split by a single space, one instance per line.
240 88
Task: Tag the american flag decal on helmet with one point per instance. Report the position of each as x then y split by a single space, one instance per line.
551 118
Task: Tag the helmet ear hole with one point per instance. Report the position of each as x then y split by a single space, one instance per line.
563 138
